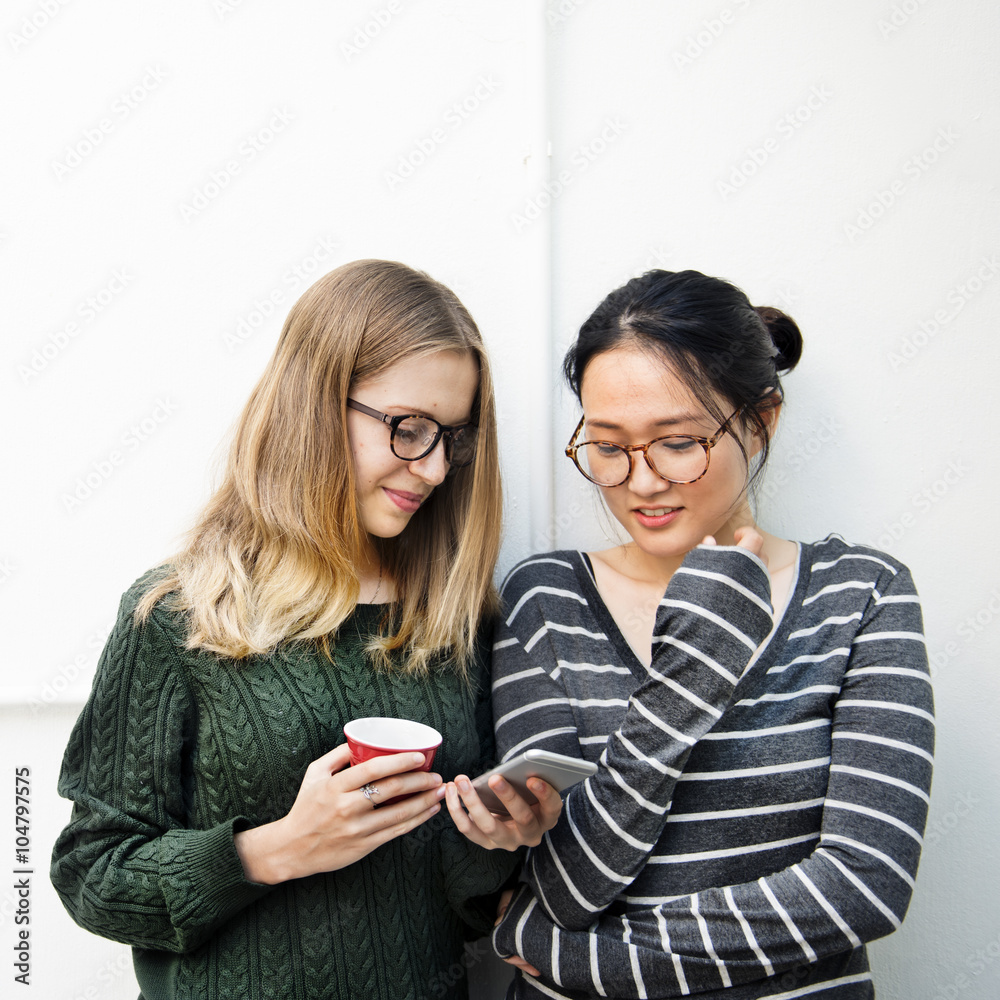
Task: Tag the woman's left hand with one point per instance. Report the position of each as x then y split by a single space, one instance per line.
526 824
519 963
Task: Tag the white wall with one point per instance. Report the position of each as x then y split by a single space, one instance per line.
789 147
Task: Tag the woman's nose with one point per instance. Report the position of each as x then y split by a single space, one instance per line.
433 467
644 481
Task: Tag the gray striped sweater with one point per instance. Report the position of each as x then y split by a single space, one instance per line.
758 811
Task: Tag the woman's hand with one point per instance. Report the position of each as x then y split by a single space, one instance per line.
746 537
526 825
332 823
505 897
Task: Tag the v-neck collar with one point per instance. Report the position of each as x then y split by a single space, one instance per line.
767 651
588 583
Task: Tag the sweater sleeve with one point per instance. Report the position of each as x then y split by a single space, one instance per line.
854 886
712 618
127 866
474 876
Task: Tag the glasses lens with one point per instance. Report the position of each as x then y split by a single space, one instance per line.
605 464
463 444
414 437
679 459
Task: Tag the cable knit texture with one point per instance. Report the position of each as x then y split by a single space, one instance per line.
176 750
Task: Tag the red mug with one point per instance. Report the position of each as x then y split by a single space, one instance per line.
376 737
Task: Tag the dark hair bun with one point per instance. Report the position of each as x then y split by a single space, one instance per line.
785 334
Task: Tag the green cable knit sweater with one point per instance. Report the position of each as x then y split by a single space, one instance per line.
176 750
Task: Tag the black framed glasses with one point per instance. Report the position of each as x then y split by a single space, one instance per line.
413 436
677 458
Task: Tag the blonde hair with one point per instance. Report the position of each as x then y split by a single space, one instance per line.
274 555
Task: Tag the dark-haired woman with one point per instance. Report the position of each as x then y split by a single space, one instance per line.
760 709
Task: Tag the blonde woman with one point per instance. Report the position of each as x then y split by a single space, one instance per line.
343 569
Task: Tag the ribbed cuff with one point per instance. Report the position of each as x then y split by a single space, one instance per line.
203 879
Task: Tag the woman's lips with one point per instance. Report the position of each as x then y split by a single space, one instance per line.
408 502
655 517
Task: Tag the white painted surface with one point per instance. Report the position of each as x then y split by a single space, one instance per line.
745 138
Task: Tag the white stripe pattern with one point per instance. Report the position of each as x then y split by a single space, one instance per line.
729 852
884 741
888 706
727 581
551 591
826 623
748 932
536 738
685 647
887 779
787 920
789 695
713 618
564 629
836 588
815 731
756 734
766 810
827 565
810 658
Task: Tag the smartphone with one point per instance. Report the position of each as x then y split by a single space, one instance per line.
557 769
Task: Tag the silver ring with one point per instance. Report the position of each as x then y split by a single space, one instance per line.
369 790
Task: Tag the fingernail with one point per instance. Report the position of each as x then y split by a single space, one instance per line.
501 785
441 791
436 808
417 758
437 779
464 785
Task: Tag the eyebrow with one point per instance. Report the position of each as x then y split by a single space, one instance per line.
609 425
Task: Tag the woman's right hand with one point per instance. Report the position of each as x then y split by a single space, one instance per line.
332 823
